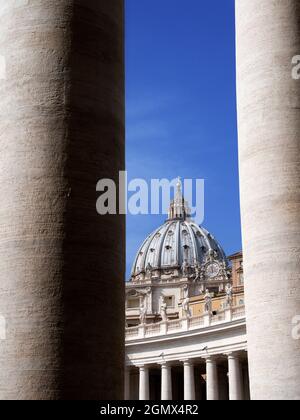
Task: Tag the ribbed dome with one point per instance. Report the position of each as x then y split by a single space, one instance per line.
178 240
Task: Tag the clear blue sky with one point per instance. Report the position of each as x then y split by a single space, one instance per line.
181 107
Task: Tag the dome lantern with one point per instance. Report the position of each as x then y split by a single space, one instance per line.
179 207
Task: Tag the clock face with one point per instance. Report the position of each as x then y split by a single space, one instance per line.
212 270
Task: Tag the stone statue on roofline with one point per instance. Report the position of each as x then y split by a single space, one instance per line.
163 310
229 295
143 312
186 307
207 302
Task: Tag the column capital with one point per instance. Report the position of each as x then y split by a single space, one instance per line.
210 357
232 354
142 367
188 362
165 364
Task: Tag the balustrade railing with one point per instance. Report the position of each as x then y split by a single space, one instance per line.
184 324
132 332
174 325
238 312
219 317
196 321
152 329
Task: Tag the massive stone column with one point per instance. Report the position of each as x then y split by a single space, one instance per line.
166 382
212 385
234 378
268 36
61 264
189 380
144 385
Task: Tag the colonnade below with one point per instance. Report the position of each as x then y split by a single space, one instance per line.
222 377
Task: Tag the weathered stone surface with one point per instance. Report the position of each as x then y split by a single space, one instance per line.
61 264
268 36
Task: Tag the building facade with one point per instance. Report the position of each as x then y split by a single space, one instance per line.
186 329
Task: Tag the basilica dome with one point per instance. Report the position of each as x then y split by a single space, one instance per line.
178 241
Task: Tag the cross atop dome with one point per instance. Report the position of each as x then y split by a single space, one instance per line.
178 195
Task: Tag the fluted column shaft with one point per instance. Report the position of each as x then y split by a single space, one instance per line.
61 263
212 385
166 382
144 389
268 37
189 380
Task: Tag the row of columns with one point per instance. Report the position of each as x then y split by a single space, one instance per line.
212 381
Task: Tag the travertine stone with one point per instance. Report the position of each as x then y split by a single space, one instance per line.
212 385
268 36
61 264
144 386
189 380
235 378
166 382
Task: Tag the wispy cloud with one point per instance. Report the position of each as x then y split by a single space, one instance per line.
145 104
146 129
